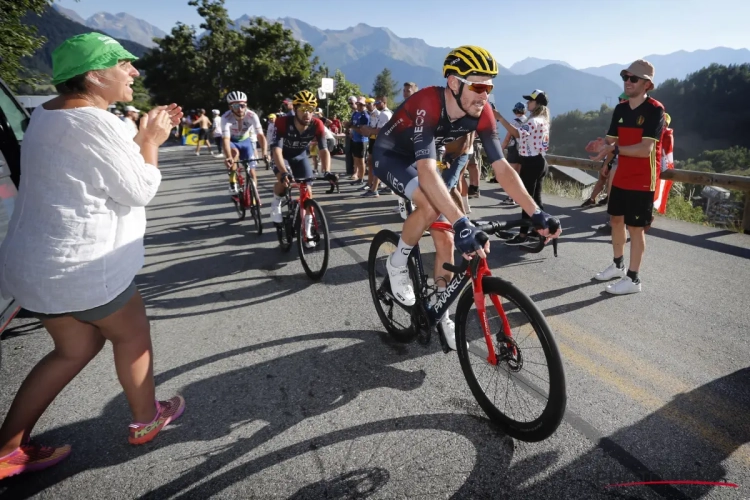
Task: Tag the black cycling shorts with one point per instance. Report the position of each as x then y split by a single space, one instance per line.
300 167
400 174
636 206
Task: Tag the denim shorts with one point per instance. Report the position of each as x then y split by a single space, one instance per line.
96 313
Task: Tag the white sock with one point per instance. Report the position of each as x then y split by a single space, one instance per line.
308 224
400 257
276 201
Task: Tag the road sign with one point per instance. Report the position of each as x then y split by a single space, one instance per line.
327 85
321 93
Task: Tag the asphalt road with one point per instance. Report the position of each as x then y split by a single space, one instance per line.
294 390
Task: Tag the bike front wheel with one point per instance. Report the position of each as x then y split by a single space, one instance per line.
523 389
252 201
313 242
396 320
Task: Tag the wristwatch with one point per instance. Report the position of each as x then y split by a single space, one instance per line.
616 151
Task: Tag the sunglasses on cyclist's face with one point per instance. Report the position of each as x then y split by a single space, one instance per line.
306 109
632 78
477 87
238 105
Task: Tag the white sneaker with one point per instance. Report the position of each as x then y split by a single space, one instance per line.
276 217
624 287
401 285
449 330
233 189
611 272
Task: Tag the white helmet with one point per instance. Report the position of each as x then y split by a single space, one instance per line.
236 96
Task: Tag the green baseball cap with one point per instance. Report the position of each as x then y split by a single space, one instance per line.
82 53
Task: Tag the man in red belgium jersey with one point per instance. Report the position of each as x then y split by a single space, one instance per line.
634 134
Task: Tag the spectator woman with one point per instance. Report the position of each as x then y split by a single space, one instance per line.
75 243
533 141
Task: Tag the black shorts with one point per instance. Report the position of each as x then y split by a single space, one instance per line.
300 167
513 156
370 145
636 206
203 134
358 149
400 174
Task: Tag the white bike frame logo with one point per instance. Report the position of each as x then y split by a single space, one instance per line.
448 291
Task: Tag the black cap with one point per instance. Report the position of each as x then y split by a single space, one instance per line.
538 96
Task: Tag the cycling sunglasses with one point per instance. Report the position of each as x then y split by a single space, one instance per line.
238 105
477 87
306 109
632 78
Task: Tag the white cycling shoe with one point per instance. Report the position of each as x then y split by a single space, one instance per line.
401 286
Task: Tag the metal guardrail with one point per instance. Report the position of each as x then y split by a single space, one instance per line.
735 182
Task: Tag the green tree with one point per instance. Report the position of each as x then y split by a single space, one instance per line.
263 60
342 90
385 85
18 40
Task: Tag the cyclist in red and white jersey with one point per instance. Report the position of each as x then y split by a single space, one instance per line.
238 125
405 155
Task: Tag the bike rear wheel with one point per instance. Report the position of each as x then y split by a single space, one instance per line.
252 201
396 320
528 361
314 250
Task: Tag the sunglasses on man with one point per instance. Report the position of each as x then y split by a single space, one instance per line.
306 109
477 87
238 105
632 78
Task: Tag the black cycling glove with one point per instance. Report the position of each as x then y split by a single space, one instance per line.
541 219
468 238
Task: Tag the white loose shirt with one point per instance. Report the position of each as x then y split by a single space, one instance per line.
75 238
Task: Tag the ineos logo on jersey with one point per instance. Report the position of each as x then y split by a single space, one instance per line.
465 233
397 185
419 121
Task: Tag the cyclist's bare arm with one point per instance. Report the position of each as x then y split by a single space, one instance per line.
263 145
278 158
325 159
433 187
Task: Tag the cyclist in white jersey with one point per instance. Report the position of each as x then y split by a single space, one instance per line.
238 124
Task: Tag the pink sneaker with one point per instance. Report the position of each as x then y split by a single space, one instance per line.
166 412
31 457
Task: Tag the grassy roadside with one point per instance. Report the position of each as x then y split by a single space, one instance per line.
677 206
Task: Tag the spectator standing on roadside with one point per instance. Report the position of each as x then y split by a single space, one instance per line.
409 89
131 116
216 132
204 124
359 141
634 134
352 101
83 231
533 142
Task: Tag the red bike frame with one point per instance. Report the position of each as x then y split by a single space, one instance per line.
476 283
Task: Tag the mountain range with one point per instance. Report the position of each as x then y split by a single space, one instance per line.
120 25
362 51
57 28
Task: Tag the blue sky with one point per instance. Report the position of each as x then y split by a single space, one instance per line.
580 32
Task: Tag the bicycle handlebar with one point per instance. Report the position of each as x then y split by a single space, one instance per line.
494 227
